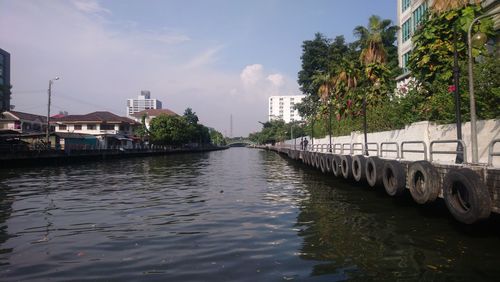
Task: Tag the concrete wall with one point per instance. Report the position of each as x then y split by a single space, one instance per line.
427 131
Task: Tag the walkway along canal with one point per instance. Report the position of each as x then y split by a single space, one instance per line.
471 192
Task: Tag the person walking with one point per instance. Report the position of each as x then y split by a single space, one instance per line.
305 143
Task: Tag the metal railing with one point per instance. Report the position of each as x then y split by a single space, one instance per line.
491 152
455 152
354 149
343 147
337 147
372 150
403 150
324 146
382 150
427 151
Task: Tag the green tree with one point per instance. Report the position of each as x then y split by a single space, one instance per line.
169 130
190 116
216 137
431 62
142 130
315 58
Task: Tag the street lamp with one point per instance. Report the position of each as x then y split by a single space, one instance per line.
330 124
473 128
48 111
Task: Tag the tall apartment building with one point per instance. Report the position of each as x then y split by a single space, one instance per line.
143 102
410 15
4 81
282 107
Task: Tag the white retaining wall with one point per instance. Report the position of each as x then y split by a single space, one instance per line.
427 131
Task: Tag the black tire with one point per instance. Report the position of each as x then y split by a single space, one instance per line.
373 171
336 166
466 195
310 159
394 178
358 167
317 160
345 166
423 181
304 156
328 163
322 163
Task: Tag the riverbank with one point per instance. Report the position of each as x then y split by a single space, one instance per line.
56 157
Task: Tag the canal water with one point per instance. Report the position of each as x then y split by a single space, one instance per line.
234 215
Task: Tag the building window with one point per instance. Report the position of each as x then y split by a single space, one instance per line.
107 126
406 58
62 127
418 15
90 126
406 30
405 4
78 127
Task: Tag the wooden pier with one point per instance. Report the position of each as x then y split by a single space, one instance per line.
471 191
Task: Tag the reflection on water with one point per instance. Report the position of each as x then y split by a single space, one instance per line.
239 214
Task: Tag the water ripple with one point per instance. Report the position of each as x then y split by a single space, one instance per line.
235 215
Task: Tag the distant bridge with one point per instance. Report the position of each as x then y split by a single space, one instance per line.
239 142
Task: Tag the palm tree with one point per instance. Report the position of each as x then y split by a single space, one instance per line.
374 39
373 54
325 81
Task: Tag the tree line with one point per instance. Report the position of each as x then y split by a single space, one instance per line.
341 79
175 130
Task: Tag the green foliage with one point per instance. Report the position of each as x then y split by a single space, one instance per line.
425 98
315 58
487 87
179 130
276 131
216 137
432 55
190 116
142 130
169 130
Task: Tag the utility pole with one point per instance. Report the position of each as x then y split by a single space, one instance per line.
48 111
231 126
456 77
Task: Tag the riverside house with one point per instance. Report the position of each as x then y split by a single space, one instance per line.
110 130
19 122
150 114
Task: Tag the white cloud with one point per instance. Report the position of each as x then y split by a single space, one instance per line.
90 6
165 37
102 63
257 82
276 79
251 74
206 57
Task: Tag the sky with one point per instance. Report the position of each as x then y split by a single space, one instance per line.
218 57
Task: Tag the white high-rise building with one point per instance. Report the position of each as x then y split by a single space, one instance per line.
143 102
282 107
410 15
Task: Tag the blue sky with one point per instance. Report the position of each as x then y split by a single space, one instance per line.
218 57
